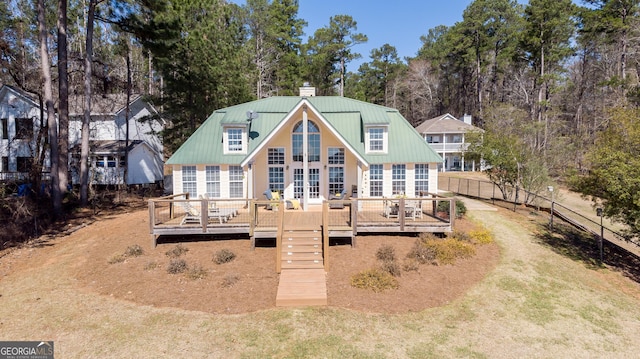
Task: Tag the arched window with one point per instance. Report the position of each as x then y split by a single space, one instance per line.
313 135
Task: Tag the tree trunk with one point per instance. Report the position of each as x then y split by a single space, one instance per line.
86 120
63 103
342 76
150 73
127 114
540 96
51 117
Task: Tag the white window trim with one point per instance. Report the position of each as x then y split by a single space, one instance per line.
385 139
226 140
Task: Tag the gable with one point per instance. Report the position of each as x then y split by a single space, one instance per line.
16 101
445 124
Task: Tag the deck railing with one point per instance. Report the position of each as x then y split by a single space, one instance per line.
180 215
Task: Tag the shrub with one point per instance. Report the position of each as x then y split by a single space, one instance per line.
197 272
134 251
131 251
421 253
461 236
223 256
375 280
230 279
386 253
461 208
481 236
151 265
449 249
391 267
177 266
410 265
118 258
177 251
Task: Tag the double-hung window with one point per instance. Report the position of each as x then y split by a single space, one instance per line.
236 175
336 169
213 181
375 180
421 178
5 128
235 140
398 176
24 128
189 181
376 139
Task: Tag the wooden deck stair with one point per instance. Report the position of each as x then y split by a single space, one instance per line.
302 249
302 277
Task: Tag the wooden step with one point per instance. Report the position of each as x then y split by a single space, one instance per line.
287 236
302 265
296 246
302 287
302 227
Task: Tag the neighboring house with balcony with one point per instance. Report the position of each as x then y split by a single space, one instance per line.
20 116
306 148
446 135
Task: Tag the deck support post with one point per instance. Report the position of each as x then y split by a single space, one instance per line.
354 221
452 211
401 214
279 235
325 235
253 211
152 221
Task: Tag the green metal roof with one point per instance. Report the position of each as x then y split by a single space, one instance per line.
346 116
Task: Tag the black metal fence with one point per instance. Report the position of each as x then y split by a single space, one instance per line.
510 197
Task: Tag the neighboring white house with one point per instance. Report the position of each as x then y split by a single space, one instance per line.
20 119
308 148
446 135
19 124
108 134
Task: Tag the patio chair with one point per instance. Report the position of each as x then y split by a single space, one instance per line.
274 197
417 208
390 209
191 215
221 214
338 196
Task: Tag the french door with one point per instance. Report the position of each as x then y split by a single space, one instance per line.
314 184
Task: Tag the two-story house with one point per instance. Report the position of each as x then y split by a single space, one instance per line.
20 115
446 135
20 124
306 148
108 134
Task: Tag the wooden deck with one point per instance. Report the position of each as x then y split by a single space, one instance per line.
262 219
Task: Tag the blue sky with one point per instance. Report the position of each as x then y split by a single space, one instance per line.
399 23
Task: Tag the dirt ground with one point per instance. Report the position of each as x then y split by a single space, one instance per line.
246 284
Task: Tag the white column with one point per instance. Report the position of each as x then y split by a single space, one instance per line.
444 152
250 179
305 158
